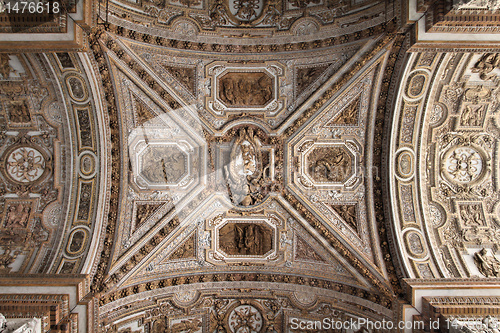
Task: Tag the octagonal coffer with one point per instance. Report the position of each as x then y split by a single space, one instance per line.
328 164
167 154
252 238
247 88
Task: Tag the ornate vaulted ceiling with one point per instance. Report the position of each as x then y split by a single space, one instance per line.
250 171
209 166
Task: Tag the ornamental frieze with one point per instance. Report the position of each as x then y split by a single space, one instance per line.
233 310
195 18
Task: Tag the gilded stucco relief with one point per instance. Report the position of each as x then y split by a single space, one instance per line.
449 221
246 89
227 311
215 82
38 184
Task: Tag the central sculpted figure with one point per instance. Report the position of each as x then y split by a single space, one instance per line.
244 172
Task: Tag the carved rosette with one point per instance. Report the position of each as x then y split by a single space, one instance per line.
465 165
245 319
26 164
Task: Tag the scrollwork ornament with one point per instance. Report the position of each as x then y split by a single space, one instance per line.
452 235
435 215
436 114
453 93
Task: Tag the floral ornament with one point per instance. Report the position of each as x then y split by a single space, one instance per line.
245 319
25 164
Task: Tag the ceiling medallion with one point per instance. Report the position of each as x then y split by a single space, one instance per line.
25 164
240 12
463 165
245 319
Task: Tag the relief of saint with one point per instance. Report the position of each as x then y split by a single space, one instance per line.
489 266
329 164
245 89
244 173
17 216
245 239
164 165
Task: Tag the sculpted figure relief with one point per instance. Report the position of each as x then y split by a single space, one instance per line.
245 89
489 266
486 64
19 112
186 326
471 215
159 326
5 68
307 75
244 174
7 258
163 165
329 164
305 251
472 115
17 216
245 239
347 213
186 76
144 211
